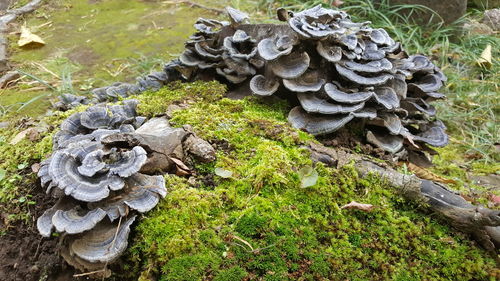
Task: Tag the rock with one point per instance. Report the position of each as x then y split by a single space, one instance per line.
492 180
450 10
478 28
492 19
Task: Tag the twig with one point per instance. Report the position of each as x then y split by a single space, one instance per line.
196 5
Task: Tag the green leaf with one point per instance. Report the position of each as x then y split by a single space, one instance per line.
22 166
2 174
223 173
308 176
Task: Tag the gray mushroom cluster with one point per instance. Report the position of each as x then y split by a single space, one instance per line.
120 90
336 70
103 170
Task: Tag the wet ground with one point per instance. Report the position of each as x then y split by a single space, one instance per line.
91 43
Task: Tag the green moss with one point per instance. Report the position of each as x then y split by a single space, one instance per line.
235 273
261 224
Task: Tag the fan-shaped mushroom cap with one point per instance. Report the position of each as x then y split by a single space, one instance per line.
290 66
263 86
380 37
420 105
44 222
96 117
349 40
420 63
240 37
92 163
128 162
428 83
237 17
190 58
72 222
271 49
64 173
390 121
233 78
209 27
238 66
368 81
317 22
353 98
313 104
434 136
389 143
329 52
307 82
317 124
142 194
375 66
104 243
73 124
387 97
205 51
399 86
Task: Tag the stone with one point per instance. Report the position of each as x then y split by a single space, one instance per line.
449 10
492 19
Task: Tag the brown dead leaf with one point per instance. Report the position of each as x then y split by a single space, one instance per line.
495 199
29 39
182 169
358 206
337 3
35 167
428 175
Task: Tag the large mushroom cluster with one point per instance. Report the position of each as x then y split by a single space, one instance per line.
338 70
103 171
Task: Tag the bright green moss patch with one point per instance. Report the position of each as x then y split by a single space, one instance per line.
260 224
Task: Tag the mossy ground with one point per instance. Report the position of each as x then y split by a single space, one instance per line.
260 223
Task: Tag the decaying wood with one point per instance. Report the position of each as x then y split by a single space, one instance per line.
481 223
8 17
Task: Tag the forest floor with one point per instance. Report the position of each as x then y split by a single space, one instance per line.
302 234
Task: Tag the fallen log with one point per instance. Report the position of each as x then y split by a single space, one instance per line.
483 224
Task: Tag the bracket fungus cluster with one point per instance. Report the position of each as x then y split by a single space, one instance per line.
337 69
103 170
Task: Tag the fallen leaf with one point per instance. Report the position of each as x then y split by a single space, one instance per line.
428 175
337 3
32 134
308 176
223 173
182 169
485 59
35 167
495 199
358 206
29 39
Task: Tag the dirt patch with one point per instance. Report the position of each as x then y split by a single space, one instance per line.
84 56
26 256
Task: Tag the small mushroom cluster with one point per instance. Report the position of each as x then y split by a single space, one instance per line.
103 171
121 90
337 69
